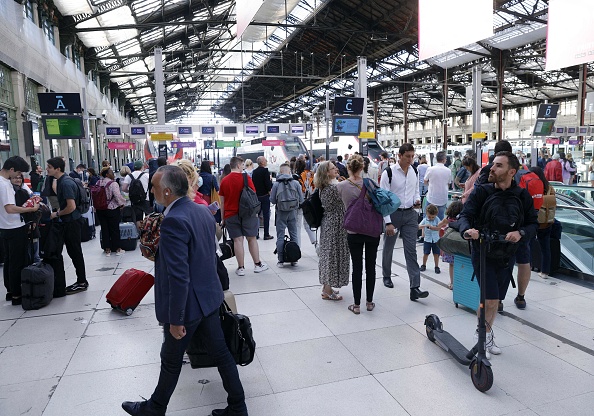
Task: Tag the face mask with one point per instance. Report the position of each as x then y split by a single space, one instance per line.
200 181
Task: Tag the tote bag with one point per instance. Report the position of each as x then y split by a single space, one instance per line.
361 217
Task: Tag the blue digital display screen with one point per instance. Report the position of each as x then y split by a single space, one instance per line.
138 131
113 131
273 129
208 130
184 130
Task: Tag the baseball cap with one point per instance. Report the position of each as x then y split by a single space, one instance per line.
138 164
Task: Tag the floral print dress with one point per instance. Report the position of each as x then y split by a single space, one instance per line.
334 256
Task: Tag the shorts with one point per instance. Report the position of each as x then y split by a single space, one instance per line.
427 247
522 253
498 277
238 227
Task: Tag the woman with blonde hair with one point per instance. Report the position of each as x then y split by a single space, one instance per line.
349 190
334 264
248 167
193 180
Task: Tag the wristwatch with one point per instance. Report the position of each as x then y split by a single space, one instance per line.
522 233
388 223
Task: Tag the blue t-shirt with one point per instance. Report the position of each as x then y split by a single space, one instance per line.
431 236
67 189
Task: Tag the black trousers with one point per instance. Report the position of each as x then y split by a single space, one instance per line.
73 247
15 244
109 219
358 242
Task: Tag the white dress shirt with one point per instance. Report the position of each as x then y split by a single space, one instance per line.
439 178
405 186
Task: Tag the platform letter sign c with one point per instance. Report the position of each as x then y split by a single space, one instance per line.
349 106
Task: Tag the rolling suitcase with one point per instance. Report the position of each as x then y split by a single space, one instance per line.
128 236
37 286
466 289
127 292
128 214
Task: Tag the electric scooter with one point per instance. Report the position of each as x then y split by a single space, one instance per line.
481 373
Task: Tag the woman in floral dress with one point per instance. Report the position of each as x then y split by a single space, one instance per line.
334 262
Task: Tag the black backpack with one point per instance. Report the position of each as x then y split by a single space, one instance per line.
388 169
249 204
136 191
291 251
342 170
313 210
83 200
501 213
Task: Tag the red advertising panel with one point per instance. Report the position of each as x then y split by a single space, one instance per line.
121 146
553 140
273 142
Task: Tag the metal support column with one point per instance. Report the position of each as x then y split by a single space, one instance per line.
328 115
361 88
476 110
445 112
405 114
500 80
159 86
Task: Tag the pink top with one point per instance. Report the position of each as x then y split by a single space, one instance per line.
114 196
469 185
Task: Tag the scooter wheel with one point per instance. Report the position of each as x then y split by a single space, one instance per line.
432 323
482 376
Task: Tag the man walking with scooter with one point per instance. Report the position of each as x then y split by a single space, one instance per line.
502 208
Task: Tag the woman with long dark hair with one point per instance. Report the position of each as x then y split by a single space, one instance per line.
209 182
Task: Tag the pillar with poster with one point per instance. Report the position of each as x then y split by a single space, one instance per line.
482 158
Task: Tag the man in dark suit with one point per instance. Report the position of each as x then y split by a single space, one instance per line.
188 294
263 185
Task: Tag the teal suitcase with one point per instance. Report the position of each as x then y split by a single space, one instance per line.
466 290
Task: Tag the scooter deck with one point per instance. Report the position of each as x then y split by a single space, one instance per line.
446 341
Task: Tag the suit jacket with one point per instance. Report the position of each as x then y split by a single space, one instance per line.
187 285
262 181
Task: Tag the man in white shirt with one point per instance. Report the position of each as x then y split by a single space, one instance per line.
438 179
404 182
13 230
140 207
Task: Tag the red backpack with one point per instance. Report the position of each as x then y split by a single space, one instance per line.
99 196
532 183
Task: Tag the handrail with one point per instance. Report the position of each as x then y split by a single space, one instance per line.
575 208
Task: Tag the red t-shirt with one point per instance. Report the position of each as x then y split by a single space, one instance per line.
230 189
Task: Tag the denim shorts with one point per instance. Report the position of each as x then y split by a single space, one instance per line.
427 247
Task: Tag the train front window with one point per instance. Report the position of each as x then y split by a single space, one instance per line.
374 150
294 148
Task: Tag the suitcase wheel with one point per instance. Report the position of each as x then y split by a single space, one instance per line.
129 311
456 304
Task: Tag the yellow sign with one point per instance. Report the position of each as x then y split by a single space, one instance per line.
161 136
367 135
479 135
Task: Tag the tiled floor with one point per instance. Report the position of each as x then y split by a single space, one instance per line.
78 357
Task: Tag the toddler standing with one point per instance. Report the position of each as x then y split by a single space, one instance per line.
431 235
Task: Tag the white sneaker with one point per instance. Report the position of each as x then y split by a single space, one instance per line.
120 252
240 271
491 346
280 264
262 267
475 339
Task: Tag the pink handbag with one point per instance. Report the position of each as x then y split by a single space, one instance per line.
361 218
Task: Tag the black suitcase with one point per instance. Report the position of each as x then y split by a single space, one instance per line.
37 286
555 254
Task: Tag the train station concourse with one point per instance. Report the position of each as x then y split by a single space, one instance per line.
78 357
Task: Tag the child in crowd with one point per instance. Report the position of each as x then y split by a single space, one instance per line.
452 213
430 228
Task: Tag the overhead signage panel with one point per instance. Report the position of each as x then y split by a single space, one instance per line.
63 127
121 146
161 136
221 144
435 20
59 102
547 110
161 128
570 38
184 130
182 145
113 131
273 142
138 131
349 105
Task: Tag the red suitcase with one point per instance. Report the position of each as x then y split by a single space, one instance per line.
129 289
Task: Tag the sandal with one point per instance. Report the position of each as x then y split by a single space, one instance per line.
451 286
356 309
331 296
370 306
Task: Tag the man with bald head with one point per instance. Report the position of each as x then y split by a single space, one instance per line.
263 185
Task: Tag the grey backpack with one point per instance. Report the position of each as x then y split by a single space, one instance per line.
287 197
249 204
